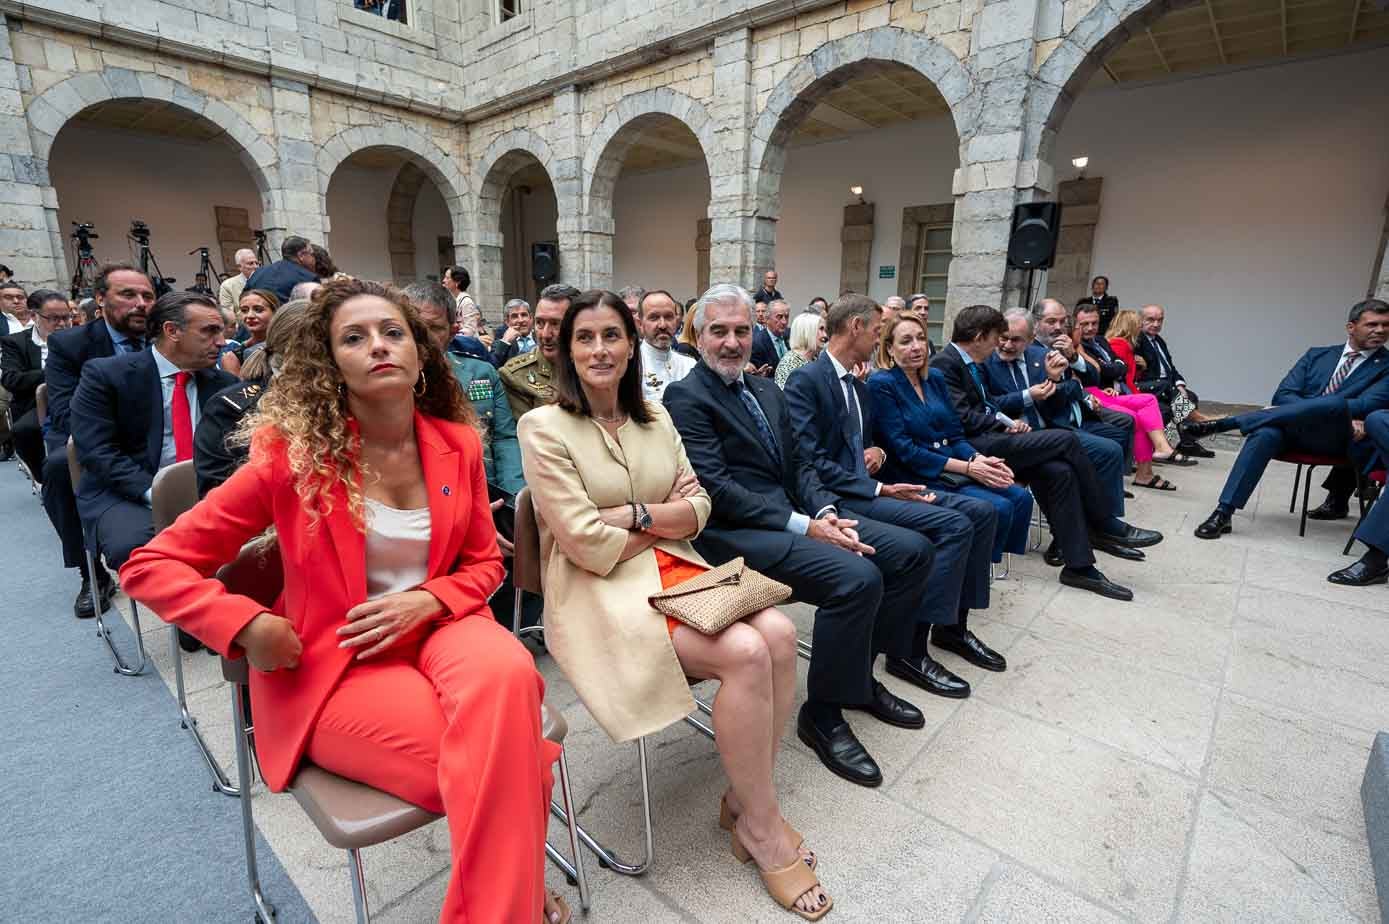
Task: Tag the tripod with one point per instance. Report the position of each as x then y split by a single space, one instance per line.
140 236
84 278
207 277
262 252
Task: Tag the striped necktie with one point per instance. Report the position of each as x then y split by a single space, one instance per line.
1342 372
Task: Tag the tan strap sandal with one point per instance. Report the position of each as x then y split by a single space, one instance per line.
726 819
788 884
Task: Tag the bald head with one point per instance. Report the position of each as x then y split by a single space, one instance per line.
1151 318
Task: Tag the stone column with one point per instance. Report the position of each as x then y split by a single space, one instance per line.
567 178
296 205
740 242
856 248
31 243
702 232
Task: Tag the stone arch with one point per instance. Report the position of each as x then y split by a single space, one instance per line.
418 149
1071 64
400 215
509 153
609 144
833 64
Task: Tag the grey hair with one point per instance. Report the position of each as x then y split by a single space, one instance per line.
805 331
305 289
896 302
506 309
627 292
244 251
1013 314
915 295
559 292
435 295
721 294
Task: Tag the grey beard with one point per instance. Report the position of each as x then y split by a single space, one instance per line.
728 378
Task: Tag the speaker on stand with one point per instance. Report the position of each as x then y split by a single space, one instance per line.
1032 242
544 262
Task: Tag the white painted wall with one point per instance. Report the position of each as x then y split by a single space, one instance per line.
537 223
108 177
1249 204
431 223
655 219
359 238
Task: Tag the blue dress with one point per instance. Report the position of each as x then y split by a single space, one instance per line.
920 434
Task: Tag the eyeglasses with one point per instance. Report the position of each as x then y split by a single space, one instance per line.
56 318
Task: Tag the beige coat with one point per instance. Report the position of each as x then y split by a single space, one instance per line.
610 643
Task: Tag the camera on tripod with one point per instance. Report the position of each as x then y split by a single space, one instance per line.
83 232
140 231
140 235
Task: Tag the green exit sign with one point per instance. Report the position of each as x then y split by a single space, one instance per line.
887 272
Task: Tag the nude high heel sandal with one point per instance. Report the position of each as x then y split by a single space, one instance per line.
787 884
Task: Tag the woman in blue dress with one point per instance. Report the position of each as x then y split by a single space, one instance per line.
915 421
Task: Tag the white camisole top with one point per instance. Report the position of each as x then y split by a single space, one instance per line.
397 544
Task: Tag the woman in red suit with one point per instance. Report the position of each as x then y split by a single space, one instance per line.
381 662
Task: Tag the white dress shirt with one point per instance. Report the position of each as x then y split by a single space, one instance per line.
659 368
42 342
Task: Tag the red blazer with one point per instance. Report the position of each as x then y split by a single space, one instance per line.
1124 350
325 573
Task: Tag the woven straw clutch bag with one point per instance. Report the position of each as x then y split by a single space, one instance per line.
712 601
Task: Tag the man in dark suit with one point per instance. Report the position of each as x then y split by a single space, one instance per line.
771 342
1051 462
1101 302
515 337
22 358
770 507
135 413
769 292
830 410
1319 407
1030 382
1373 566
297 264
1112 370
14 317
125 296
1161 377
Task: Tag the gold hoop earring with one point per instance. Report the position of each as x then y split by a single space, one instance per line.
421 386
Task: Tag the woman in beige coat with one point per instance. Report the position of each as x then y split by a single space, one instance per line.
618 504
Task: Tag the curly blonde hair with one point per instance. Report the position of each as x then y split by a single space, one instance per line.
306 409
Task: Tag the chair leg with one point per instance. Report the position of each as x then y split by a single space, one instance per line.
698 724
575 870
359 886
265 912
104 633
1297 477
1306 495
516 613
187 721
606 858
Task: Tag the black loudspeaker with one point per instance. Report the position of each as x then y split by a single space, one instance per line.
1032 244
544 261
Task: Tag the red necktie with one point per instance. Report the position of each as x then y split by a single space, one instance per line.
183 418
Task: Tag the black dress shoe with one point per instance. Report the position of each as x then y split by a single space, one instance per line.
84 607
1128 494
1359 575
1103 542
967 645
840 751
891 709
929 674
6 452
1195 449
1193 430
1216 525
1135 537
1330 510
188 642
1100 585
1053 556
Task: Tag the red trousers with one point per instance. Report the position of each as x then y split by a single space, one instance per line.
450 721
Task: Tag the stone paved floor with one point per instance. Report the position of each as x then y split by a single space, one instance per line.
1192 756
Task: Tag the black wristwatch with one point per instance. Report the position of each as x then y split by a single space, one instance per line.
643 518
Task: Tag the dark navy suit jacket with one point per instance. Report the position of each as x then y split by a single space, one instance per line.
68 352
1053 412
763 350
1112 370
820 419
21 370
1365 390
117 421
920 436
753 498
280 277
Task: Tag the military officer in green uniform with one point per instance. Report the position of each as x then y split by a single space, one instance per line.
528 378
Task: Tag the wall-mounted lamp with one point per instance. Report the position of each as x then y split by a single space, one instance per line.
1080 163
858 191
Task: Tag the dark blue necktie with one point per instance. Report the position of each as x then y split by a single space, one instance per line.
978 377
855 424
759 419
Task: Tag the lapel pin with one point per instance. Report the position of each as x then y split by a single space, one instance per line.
447 492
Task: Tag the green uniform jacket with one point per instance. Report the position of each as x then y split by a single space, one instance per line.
501 455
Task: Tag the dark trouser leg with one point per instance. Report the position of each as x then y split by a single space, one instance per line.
1340 483
1374 532
1121 426
1101 447
121 530
1056 487
1259 448
28 443
847 590
983 520
61 507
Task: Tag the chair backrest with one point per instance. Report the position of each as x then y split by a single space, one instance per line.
41 402
257 573
74 467
174 491
525 568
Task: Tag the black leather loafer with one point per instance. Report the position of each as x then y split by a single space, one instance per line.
84 607
1330 510
1103 542
1216 525
1053 556
1100 585
1135 537
968 646
1194 449
930 675
1193 430
1359 575
893 710
840 751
